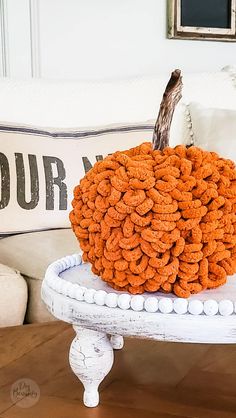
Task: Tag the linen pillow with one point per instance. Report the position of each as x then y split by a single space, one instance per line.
40 167
214 129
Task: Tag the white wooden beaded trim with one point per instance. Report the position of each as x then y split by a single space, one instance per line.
126 301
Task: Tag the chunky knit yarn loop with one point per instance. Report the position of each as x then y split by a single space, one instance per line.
150 220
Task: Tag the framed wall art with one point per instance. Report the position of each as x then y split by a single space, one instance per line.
202 19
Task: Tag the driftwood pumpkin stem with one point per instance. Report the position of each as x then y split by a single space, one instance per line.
171 97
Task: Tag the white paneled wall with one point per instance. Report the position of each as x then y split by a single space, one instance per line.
4 59
98 39
18 38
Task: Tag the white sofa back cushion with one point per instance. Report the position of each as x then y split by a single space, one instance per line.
214 129
67 104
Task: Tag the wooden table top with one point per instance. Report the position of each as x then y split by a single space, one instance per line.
149 379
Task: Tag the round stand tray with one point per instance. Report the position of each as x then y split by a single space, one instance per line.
74 294
101 317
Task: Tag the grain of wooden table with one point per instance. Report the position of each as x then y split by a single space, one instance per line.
149 379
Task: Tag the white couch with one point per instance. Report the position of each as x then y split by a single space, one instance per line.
77 104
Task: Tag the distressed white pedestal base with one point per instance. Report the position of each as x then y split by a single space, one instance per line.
91 359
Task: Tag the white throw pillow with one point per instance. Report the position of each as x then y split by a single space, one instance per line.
214 129
39 169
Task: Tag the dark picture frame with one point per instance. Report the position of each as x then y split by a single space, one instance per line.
202 19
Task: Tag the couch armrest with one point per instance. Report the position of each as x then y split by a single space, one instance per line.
13 297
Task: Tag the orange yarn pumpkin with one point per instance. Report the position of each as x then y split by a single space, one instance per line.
150 220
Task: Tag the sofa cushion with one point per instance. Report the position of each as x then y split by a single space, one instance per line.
13 297
62 103
214 129
31 254
36 310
